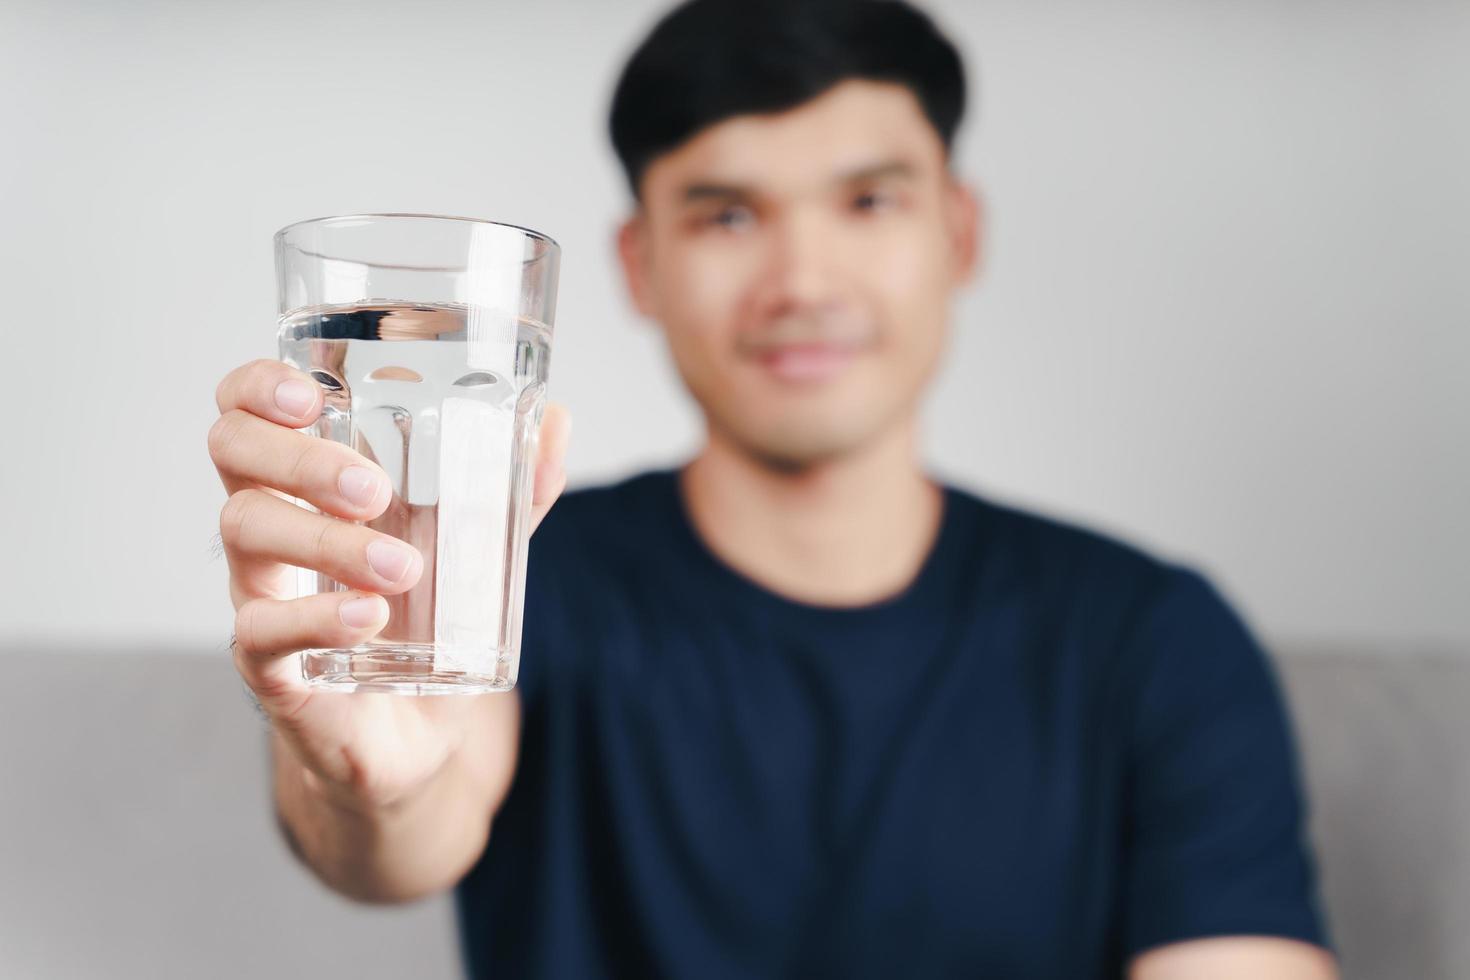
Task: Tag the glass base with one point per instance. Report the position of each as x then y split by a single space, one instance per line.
405 669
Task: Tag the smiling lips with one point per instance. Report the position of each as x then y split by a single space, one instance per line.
811 346
806 361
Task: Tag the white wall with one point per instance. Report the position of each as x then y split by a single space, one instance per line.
1224 311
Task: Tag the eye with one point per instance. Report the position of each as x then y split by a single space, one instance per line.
871 201
734 216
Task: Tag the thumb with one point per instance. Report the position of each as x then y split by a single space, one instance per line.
551 475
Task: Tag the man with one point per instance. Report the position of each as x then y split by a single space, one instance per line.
794 709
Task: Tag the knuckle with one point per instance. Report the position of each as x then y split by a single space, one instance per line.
236 515
271 690
261 371
223 433
299 467
326 544
244 668
242 379
367 782
247 624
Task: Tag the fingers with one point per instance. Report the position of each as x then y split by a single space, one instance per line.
252 451
551 477
267 630
260 531
272 390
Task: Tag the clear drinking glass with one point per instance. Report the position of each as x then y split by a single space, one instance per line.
430 337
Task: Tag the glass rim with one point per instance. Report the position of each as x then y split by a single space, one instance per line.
328 219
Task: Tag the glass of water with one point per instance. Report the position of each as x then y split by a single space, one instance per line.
430 337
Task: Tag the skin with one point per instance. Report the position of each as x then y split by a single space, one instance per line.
838 222
386 798
801 266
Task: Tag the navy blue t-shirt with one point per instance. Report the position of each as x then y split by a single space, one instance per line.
1049 753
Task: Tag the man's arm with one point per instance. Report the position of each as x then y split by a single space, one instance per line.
414 846
1232 957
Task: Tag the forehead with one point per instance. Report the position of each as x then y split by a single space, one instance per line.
854 124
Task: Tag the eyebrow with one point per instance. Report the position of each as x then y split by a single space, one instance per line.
713 190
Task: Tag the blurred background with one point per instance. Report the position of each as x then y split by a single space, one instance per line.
1223 313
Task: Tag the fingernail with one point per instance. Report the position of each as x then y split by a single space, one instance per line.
362 611
359 485
389 560
295 398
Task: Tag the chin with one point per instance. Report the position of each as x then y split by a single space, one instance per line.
795 448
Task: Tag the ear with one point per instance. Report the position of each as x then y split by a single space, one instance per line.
633 256
965 213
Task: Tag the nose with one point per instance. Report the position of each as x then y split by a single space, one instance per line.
799 264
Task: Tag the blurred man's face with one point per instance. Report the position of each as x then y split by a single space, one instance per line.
802 266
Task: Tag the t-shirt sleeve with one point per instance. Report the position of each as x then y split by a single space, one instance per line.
1215 839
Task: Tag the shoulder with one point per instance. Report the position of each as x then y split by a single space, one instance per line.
1097 589
1183 650
1174 630
1048 555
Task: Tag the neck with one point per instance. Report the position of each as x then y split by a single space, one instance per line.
847 531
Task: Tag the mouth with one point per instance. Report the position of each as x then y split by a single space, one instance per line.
810 361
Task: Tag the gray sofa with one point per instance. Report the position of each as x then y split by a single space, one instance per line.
136 838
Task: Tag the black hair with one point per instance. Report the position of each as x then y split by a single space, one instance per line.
709 60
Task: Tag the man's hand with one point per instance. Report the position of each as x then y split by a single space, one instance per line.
362 752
